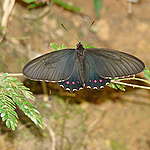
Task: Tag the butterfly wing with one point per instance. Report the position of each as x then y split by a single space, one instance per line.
74 82
92 79
54 66
111 63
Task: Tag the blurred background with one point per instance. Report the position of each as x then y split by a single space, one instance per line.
103 119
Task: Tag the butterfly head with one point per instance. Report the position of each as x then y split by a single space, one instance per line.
80 48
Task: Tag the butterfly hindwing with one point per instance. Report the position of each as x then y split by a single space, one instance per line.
74 82
92 79
71 84
97 83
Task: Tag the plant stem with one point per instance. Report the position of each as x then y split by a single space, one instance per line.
63 126
12 74
138 79
52 133
132 85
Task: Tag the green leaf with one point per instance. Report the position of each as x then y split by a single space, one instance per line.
2 115
97 6
88 46
12 93
29 1
35 5
55 46
147 73
117 86
67 6
61 3
30 111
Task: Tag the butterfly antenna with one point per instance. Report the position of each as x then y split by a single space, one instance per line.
92 23
64 27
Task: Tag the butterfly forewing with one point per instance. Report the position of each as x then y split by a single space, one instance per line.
54 66
111 63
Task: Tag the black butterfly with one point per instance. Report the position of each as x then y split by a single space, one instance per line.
77 68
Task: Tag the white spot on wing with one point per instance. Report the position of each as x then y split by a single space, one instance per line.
68 89
89 87
61 86
51 81
95 88
74 89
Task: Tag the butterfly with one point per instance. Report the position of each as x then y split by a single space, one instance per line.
82 67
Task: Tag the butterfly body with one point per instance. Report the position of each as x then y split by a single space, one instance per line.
77 68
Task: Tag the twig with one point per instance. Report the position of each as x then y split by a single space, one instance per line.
12 74
51 132
132 85
45 91
138 79
64 126
130 9
130 2
7 9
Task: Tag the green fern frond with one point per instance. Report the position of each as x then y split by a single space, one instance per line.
13 93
